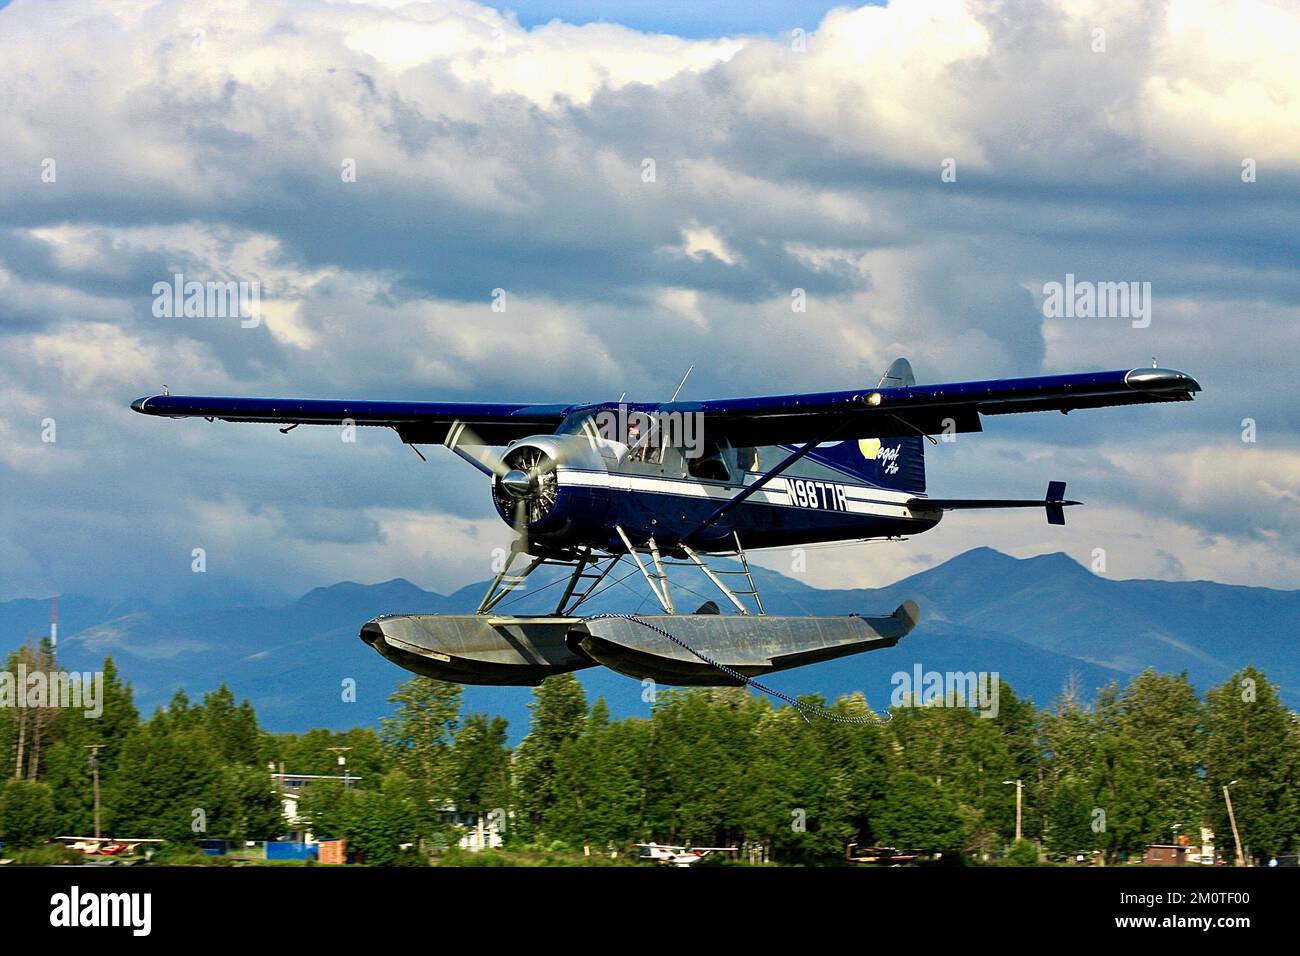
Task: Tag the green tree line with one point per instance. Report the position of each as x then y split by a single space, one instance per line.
1140 764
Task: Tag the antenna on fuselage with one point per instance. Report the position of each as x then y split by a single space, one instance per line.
681 383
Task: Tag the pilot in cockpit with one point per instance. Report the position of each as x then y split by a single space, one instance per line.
634 438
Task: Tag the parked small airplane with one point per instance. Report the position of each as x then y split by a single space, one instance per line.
105 846
586 486
678 855
880 855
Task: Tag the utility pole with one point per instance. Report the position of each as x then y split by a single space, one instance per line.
1232 818
1020 789
94 767
343 761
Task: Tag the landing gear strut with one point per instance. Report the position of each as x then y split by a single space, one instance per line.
590 568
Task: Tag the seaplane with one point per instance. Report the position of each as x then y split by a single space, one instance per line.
692 483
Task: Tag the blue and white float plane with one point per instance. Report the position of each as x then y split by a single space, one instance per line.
586 486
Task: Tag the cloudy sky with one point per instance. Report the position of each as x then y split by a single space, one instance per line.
793 145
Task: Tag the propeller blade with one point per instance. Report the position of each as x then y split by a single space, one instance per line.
466 443
521 524
543 467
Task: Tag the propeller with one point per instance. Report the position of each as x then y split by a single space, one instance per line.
525 483
521 526
460 435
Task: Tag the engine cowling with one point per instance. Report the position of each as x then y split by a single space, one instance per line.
533 496
531 482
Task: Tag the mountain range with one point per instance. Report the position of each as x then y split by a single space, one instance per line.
1036 621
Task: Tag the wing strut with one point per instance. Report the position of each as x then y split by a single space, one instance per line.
741 496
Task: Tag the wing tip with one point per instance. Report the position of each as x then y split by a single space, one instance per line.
1161 380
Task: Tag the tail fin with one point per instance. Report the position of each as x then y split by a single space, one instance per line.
896 463
898 375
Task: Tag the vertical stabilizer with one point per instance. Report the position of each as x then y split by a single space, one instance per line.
896 463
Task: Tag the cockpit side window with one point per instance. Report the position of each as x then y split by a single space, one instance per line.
710 466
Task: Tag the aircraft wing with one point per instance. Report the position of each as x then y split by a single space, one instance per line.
424 423
765 420
928 409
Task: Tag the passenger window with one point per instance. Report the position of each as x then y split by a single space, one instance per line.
710 466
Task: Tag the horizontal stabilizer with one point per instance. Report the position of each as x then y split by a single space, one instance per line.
1053 502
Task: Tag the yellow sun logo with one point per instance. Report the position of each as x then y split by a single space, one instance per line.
870 448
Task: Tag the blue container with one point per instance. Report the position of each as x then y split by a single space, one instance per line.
213 847
290 850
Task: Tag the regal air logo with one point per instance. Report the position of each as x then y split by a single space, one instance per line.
74 908
888 457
